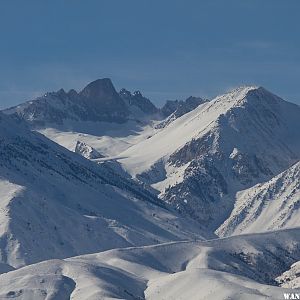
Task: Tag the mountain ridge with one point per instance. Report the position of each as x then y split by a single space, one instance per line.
229 143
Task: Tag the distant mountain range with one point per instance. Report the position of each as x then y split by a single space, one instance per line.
97 102
126 173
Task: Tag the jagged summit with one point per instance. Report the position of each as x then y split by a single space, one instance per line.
98 89
137 100
98 101
125 93
101 97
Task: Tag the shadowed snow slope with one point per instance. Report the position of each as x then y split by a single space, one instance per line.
55 203
268 206
218 269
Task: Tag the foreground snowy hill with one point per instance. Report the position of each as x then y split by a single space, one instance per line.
268 206
241 267
56 204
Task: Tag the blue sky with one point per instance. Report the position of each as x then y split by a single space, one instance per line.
167 49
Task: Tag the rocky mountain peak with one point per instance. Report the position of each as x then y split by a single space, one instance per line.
99 89
102 101
72 93
125 93
138 100
137 94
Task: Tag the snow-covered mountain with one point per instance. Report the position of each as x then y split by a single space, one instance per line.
223 146
266 206
56 204
98 101
138 179
202 154
99 116
241 267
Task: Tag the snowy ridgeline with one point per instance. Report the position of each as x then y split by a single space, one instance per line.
142 176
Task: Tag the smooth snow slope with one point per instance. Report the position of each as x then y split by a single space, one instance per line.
266 206
241 267
56 204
